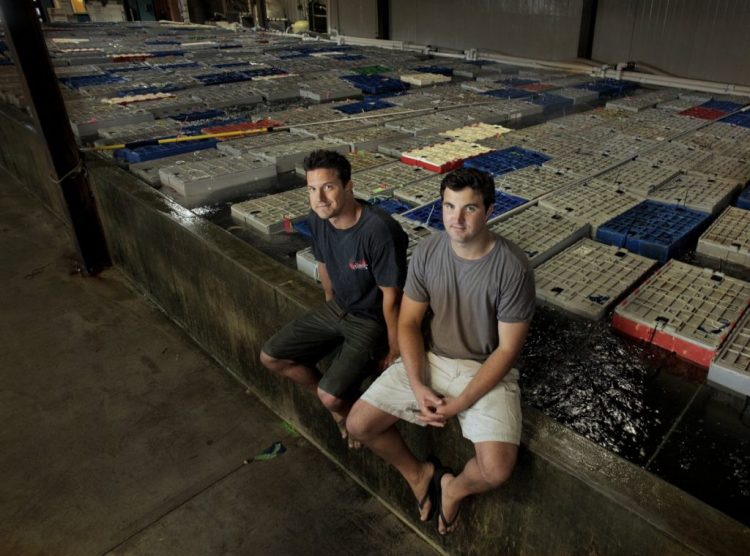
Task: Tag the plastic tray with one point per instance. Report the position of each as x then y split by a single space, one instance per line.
731 366
151 152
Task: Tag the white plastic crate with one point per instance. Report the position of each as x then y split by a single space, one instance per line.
728 239
581 164
307 264
676 155
399 146
685 309
475 132
699 192
638 177
589 277
415 231
540 232
255 143
731 366
321 130
443 156
149 171
725 167
533 182
639 102
420 79
590 202
425 124
365 138
626 146
270 214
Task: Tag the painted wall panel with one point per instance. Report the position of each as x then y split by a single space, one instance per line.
357 18
704 39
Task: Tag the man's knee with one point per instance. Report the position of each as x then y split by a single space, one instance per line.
498 468
330 401
272 363
359 424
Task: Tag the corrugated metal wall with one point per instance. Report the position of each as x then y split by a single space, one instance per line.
532 28
357 18
705 39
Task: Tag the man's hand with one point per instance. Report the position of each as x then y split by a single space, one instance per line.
449 408
389 358
429 402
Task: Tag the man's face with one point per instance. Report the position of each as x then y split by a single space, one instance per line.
464 215
328 196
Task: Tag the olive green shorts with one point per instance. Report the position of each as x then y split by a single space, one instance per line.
355 344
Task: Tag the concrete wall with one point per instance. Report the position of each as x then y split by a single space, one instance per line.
704 39
567 496
23 153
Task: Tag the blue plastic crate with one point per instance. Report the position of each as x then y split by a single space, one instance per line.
654 230
165 53
723 105
431 214
507 160
364 106
202 115
517 81
349 57
551 101
153 152
740 119
161 41
264 72
177 65
743 201
225 77
391 205
230 64
376 84
440 70
78 81
302 228
509 93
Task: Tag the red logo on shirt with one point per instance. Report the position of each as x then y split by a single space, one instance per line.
358 265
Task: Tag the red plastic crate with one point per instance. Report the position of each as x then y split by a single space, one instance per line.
703 113
537 87
682 348
446 167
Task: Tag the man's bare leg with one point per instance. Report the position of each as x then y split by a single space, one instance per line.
374 428
296 372
491 467
339 410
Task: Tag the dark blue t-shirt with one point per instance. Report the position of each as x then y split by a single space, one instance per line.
371 253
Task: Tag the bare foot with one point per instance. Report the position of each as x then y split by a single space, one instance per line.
450 507
423 491
340 421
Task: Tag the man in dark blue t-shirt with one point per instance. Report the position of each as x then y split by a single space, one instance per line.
361 254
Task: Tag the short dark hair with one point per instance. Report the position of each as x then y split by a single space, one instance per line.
330 160
475 179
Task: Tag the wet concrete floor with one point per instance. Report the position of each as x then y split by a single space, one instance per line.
120 436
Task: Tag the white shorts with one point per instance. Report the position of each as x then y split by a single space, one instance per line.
496 417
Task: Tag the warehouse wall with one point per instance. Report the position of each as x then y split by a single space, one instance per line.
705 39
532 28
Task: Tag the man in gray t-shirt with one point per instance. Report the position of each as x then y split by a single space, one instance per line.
480 290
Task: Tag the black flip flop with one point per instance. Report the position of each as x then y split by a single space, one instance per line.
431 493
437 479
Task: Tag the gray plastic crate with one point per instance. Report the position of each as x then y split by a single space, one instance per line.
639 102
676 155
724 167
589 277
210 181
420 192
149 171
590 202
699 192
731 366
577 122
533 182
425 124
728 239
399 146
627 146
321 130
581 164
638 177
287 155
365 138
684 308
415 231
381 181
677 104
270 214
255 143
540 232
359 161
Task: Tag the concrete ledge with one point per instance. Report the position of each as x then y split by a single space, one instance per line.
567 496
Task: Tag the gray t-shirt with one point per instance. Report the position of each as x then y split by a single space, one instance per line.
469 297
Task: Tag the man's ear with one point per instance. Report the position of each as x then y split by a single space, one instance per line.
489 211
349 185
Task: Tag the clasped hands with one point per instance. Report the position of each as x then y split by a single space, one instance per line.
435 409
